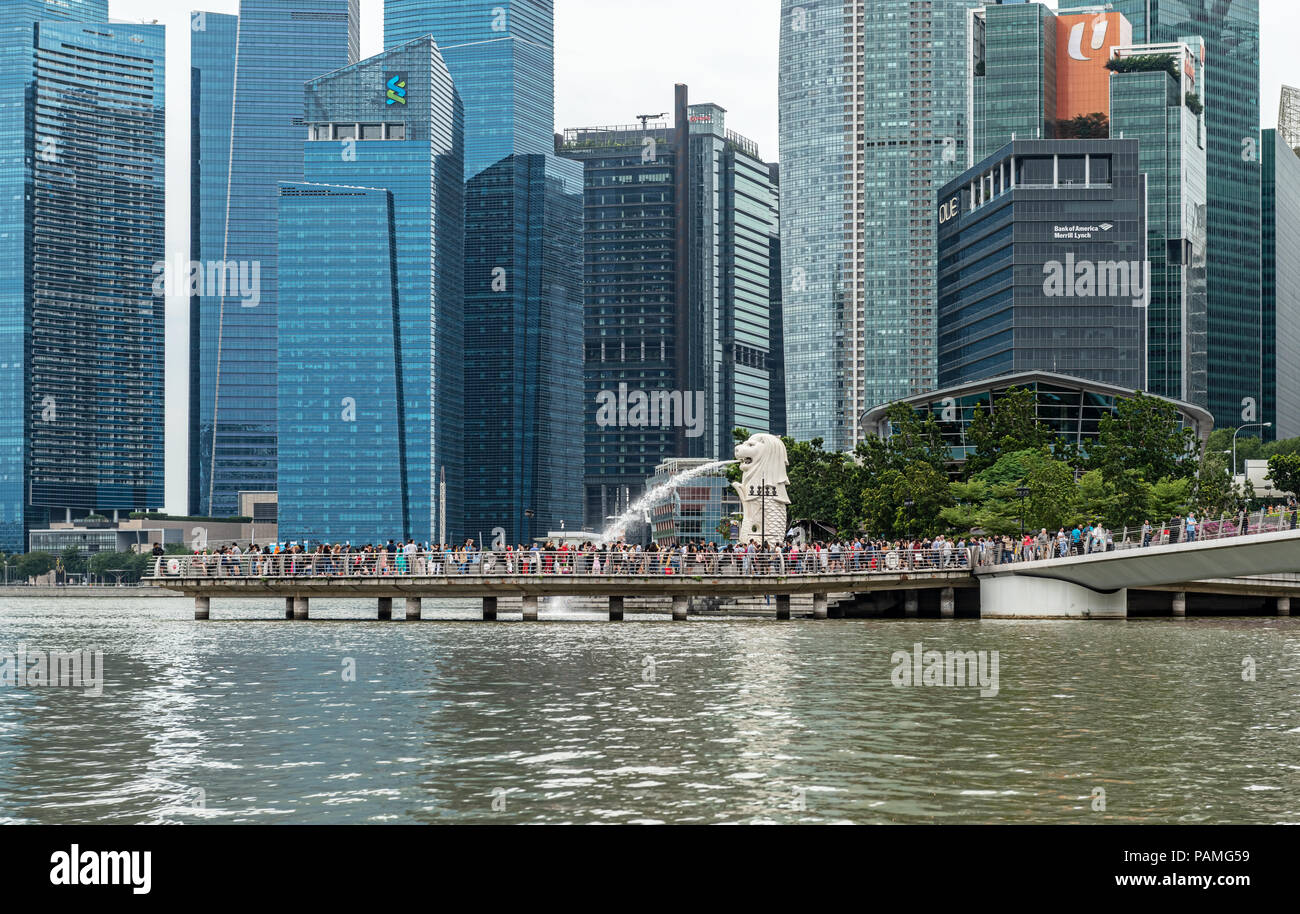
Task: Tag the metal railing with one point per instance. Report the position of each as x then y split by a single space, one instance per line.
1173 532
490 564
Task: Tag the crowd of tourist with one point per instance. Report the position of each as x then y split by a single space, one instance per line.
858 555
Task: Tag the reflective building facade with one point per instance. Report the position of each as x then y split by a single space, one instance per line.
523 348
679 232
361 151
1071 407
1042 249
1281 271
342 413
873 110
1230 29
501 54
81 253
247 73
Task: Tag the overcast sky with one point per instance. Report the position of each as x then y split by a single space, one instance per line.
614 59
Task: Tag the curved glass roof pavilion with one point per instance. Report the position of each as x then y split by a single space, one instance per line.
1070 405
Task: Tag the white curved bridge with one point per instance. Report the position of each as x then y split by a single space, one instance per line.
1095 586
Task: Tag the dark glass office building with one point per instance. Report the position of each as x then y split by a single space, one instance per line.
1042 264
680 222
523 268
247 130
1230 29
384 160
523 348
81 265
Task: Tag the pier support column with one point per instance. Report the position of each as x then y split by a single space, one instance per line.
385 608
947 603
288 607
1284 606
530 609
819 606
202 605
679 609
1013 596
783 606
616 609
413 606
489 609
1179 604
911 604
300 608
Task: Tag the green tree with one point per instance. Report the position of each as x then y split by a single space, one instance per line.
1144 435
34 564
72 560
1216 492
1085 127
885 509
1284 470
1011 425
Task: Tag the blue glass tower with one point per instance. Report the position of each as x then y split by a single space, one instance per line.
523 347
523 230
343 464
501 54
389 127
247 131
81 235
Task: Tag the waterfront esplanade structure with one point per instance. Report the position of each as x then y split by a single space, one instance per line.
1071 406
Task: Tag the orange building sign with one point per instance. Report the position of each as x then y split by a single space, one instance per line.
1083 43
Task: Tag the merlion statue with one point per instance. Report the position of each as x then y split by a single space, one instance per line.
762 489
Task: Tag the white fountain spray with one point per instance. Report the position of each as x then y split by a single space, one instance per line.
635 511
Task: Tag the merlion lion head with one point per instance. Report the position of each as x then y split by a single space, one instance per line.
763 461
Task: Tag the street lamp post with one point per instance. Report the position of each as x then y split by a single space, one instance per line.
1022 492
1234 440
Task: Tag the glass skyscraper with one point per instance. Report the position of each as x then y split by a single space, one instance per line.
873 108
523 348
1230 29
247 132
81 255
343 460
384 157
501 54
678 241
1281 272
523 380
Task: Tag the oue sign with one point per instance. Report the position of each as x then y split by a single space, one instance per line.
948 210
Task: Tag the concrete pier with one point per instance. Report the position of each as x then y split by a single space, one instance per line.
947 603
489 609
679 609
413 609
819 606
1284 606
300 608
530 608
783 606
202 605
1179 605
288 607
1014 596
616 609
385 608
911 604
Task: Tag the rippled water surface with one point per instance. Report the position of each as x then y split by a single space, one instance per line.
251 719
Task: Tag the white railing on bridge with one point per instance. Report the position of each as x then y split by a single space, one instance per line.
490 564
1172 532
